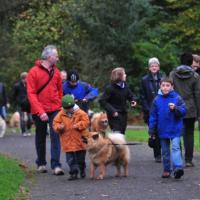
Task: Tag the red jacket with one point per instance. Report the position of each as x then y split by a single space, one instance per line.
49 99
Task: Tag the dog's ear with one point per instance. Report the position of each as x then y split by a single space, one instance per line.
95 137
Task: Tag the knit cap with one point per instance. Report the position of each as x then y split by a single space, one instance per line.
73 75
153 60
68 101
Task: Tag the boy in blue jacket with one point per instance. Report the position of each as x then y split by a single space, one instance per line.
166 117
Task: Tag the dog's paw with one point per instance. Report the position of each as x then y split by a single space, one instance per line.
100 177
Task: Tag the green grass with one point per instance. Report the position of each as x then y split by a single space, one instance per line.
142 136
11 178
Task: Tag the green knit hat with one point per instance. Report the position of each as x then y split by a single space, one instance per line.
68 101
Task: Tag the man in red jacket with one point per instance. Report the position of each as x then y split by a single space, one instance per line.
44 90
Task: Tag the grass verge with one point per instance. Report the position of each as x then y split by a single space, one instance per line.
11 178
141 135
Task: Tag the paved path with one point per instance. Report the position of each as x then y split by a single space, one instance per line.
144 180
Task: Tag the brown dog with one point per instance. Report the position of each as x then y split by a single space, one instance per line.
106 150
99 122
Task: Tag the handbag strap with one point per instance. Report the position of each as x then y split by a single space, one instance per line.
50 77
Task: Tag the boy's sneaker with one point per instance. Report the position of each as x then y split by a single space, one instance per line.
166 175
58 171
178 173
42 169
82 174
73 177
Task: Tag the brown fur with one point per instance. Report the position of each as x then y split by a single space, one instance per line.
102 151
99 122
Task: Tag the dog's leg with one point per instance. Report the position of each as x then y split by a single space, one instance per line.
92 170
125 169
102 170
118 174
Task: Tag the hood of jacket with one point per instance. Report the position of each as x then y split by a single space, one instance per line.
172 93
184 72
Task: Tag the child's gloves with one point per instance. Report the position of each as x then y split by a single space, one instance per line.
61 128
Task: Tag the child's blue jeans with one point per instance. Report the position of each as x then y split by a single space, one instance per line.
174 157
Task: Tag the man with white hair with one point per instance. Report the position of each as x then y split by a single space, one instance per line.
150 85
44 89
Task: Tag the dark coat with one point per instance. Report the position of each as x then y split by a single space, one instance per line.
187 84
19 93
148 91
3 97
114 98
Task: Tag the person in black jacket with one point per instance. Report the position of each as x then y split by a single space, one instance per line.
150 85
22 105
114 100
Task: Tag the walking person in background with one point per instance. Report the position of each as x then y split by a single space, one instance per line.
20 99
196 63
150 85
166 120
187 84
70 124
83 92
44 89
3 103
63 75
114 100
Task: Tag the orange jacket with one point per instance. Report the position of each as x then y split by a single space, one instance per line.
49 99
71 137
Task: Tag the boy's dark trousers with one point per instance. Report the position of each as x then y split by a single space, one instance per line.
76 161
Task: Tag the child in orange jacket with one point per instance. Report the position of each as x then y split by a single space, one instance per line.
70 123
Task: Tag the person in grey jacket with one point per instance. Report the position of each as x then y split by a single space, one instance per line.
187 84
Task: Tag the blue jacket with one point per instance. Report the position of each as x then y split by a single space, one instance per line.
169 124
81 91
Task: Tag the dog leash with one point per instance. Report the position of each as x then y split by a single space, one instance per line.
129 144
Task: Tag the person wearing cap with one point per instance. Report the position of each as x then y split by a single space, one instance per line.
149 87
187 84
83 92
70 123
20 100
44 90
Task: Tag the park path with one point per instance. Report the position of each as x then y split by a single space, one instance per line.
144 180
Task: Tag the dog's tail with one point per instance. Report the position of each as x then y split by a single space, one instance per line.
119 139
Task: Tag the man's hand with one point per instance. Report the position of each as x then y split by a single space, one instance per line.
44 117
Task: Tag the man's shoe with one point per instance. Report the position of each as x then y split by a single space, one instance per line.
158 159
189 164
178 173
58 171
42 169
73 177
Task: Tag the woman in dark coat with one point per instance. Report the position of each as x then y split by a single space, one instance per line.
150 85
114 100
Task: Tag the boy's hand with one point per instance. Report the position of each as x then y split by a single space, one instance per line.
61 128
171 106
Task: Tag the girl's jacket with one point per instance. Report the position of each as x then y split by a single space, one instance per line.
167 123
71 139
